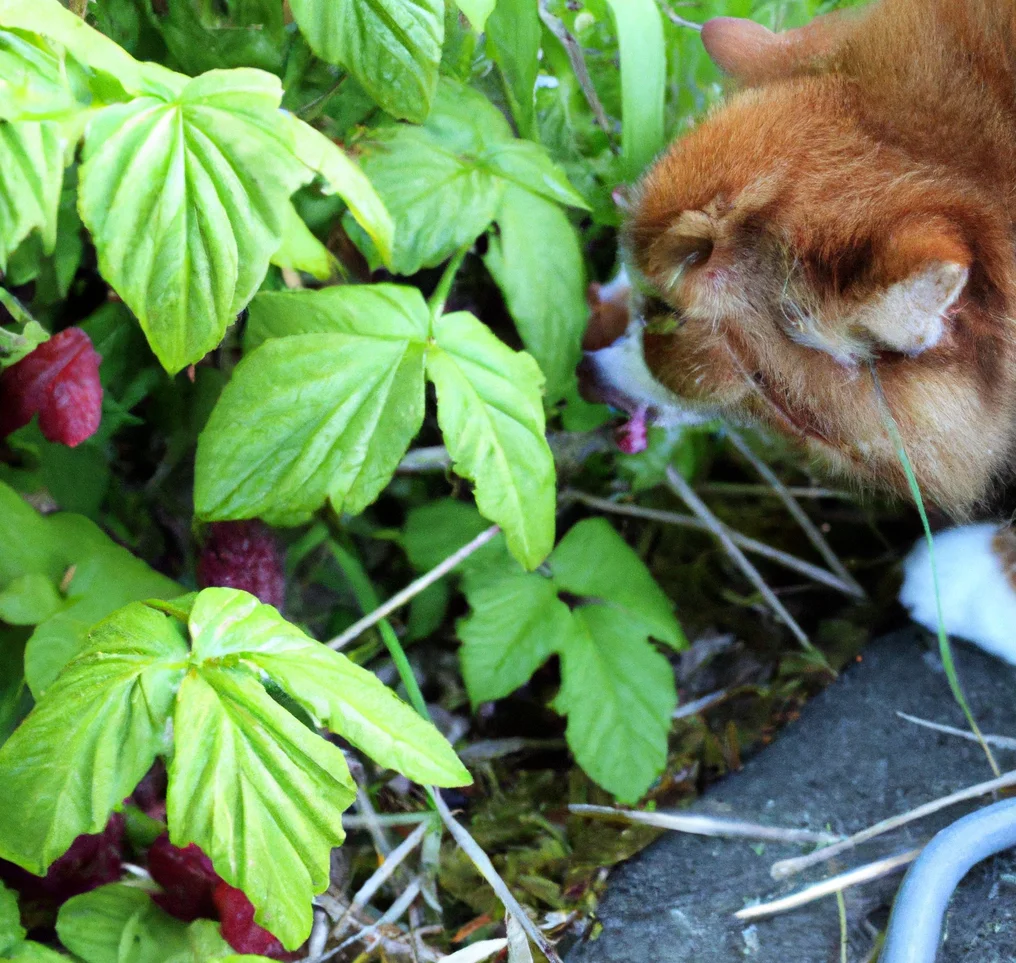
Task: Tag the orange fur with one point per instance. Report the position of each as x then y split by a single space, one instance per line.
851 205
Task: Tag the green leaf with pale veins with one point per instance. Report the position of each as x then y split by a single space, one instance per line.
340 695
443 182
392 47
537 262
31 176
491 415
619 578
517 623
316 416
186 202
91 738
260 793
618 693
33 79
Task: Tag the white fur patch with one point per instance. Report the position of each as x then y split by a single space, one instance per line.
978 603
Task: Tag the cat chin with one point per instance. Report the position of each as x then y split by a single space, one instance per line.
976 573
619 376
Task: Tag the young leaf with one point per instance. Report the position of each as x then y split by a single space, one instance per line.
619 578
301 250
513 34
316 416
643 81
33 79
537 262
91 738
186 201
11 931
392 47
341 176
618 693
97 926
517 623
237 751
477 12
31 175
491 416
339 694
440 200
29 600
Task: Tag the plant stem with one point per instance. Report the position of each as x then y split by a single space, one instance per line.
413 589
367 597
444 286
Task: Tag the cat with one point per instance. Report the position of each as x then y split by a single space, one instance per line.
834 245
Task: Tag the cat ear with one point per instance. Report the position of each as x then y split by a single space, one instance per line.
910 315
751 53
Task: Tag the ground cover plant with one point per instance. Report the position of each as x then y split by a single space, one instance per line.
293 297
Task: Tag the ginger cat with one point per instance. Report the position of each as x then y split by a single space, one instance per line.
849 211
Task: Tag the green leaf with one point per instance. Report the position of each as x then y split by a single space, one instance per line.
528 166
619 578
30 952
517 623
392 47
91 738
260 793
619 695
89 47
643 58
491 416
11 931
33 79
339 694
477 12
537 262
443 182
29 600
121 924
317 415
342 177
513 35
302 251
31 175
436 530
186 201
440 201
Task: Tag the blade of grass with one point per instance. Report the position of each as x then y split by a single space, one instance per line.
643 81
944 648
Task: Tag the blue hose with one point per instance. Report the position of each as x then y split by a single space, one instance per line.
915 927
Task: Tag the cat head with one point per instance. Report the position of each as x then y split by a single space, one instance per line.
785 258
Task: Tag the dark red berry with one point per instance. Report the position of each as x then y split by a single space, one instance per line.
59 380
236 917
90 862
243 555
187 878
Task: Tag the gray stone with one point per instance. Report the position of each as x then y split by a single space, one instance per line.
849 761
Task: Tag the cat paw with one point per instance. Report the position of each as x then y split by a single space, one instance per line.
977 586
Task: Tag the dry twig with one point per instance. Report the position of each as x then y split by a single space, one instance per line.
684 491
788 867
1002 742
413 589
835 884
699 825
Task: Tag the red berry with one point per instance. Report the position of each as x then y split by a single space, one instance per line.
243 555
60 381
236 917
187 878
91 861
